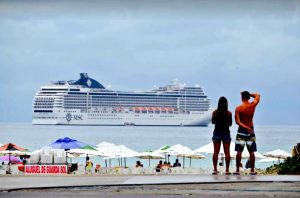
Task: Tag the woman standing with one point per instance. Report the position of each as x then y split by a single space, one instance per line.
222 119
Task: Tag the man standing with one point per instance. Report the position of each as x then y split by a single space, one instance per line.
244 119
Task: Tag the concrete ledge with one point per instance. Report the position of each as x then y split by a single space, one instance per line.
14 183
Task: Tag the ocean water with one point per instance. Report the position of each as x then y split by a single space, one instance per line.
140 138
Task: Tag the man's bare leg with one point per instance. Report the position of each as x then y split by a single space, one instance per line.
252 161
238 161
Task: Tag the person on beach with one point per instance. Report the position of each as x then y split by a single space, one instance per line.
88 166
222 119
139 164
159 166
177 163
245 135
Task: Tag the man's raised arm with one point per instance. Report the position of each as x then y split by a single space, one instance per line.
256 97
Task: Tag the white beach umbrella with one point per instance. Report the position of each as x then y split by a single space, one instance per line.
84 152
126 152
149 155
278 153
14 152
209 148
183 151
270 159
105 145
162 150
107 149
122 151
245 154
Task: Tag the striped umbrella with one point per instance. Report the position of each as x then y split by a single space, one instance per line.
9 149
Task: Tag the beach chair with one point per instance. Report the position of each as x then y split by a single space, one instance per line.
98 168
35 157
3 169
46 155
59 156
137 170
165 170
177 170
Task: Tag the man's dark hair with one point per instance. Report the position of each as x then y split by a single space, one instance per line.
245 95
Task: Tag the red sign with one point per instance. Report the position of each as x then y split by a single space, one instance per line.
46 169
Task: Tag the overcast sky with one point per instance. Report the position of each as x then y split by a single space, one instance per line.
225 47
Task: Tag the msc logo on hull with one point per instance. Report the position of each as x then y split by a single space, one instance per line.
70 117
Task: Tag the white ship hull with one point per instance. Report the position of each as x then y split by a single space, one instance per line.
123 119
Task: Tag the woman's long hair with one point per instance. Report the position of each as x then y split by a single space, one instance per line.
221 115
222 107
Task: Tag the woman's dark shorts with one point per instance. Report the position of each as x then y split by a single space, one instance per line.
225 137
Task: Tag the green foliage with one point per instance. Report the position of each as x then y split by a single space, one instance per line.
291 166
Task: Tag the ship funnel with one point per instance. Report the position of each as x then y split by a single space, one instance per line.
84 75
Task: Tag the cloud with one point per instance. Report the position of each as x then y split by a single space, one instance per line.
133 46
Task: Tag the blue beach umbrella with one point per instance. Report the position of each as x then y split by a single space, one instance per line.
67 143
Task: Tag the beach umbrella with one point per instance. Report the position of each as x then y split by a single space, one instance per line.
12 159
163 150
125 152
15 153
270 159
278 153
112 151
209 148
149 155
105 145
183 151
87 150
67 143
107 149
245 154
10 148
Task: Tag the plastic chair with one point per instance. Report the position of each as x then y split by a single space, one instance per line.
97 168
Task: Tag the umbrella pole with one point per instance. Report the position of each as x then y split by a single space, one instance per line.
67 158
9 157
125 162
9 161
183 161
149 161
190 162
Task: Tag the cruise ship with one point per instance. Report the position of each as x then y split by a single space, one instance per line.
87 102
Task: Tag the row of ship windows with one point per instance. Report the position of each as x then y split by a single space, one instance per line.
133 99
102 115
44 99
136 104
45 117
105 118
43 106
136 99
